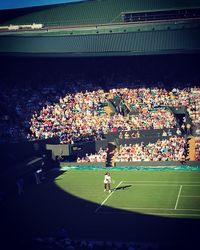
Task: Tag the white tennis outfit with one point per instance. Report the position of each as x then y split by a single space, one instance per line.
107 179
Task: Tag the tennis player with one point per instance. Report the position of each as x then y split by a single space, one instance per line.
107 182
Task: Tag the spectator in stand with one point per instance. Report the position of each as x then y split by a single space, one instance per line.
121 136
164 133
188 127
126 135
183 128
178 131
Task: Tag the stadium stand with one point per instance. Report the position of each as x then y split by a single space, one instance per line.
139 114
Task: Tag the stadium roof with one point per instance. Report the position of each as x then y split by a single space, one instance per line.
96 28
89 12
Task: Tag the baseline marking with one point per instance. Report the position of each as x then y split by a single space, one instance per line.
178 196
97 209
192 196
156 184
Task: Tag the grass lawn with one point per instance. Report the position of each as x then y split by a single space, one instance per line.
144 206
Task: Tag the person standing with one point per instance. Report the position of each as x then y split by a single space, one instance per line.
107 182
183 127
37 176
188 127
20 186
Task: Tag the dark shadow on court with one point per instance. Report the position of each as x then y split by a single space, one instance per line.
45 208
122 187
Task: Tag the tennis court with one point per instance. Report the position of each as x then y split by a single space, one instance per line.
144 206
162 193
163 198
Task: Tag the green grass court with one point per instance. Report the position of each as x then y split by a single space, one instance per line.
159 198
157 206
162 193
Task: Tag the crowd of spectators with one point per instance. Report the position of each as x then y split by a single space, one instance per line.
126 135
81 116
19 103
73 113
197 149
138 98
194 107
17 106
76 117
100 156
171 149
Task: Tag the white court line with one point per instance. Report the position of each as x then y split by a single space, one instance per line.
160 183
193 196
97 209
156 184
151 184
178 196
166 181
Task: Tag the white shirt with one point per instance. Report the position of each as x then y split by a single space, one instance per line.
107 179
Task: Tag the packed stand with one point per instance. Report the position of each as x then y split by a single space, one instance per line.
172 149
76 117
100 156
72 113
19 103
16 111
80 117
141 99
194 107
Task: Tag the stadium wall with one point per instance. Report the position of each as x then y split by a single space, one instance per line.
159 163
124 43
142 164
12 154
134 164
